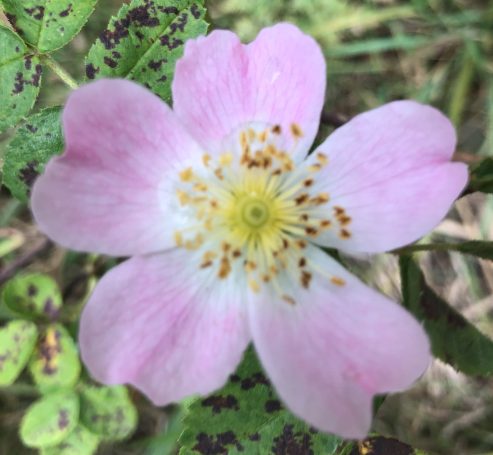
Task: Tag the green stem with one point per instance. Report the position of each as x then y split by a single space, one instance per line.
60 72
426 247
20 389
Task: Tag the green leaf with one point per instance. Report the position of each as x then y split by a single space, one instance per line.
34 144
48 24
50 420
55 363
247 417
481 176
20 77
144 41
108 412
33 295
453 339
17 340
80 442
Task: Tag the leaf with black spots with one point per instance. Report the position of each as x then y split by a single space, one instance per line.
80 442
48 25
453 338
27 154
17 340
108 412
144 41
50 420
33 296
246 416
20 78
55 363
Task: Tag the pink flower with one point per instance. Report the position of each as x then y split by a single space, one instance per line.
224 214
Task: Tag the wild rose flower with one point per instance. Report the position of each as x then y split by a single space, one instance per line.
224 213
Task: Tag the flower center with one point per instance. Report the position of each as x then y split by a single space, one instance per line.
253 211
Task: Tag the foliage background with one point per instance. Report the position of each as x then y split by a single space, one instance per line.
439 52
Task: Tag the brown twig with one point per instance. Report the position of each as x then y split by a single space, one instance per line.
24 260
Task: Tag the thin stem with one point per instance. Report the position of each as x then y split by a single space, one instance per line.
60 72
426 247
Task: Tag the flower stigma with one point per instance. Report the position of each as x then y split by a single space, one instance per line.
253 208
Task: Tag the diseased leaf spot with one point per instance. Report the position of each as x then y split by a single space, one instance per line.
67 11
221 402
272 406
110 62
37 12
63 420
291 443
216 445
29 173
91 71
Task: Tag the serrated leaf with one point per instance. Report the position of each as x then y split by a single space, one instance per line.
247 417
108 412
33 295
80 442
453 338
50 420
17 340
481 176
20 77
55 362
144 41
48 24
34 144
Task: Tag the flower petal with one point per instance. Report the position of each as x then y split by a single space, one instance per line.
336 347
158 323
389 170
109 191
221 84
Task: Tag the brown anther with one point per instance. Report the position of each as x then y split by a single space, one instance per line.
205 264
236 254
225 159
285 243
219 173
321 198
206 158
308 182
296 130
225 247
288 299
254 286
302 262
251 134
266 278
302 198
186 175
338 210
344 234
337 281
324 224
214 204
277 172
178 239
301 244
276 129
262 136
304 217
315 167
344 220
224 268
183 197
311 231
306 277
250 266
200 186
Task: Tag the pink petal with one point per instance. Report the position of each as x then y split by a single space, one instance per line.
109 191
221 84
165 326
336 347
390 170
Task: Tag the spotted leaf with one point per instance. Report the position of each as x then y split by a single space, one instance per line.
108 412
17 340
55 363
48 24
34 144
50 420
144 41
247 417
80 442
20 77
33 295
453 338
